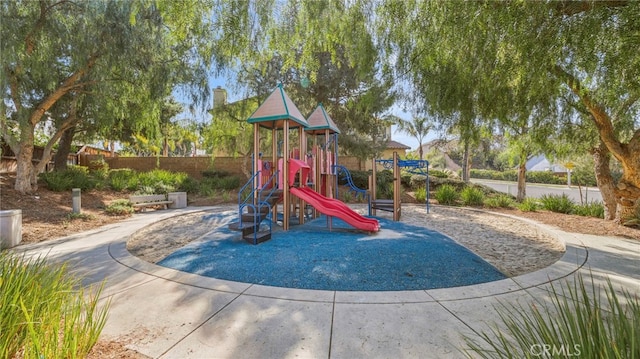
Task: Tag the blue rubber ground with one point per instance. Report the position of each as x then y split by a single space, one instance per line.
399 257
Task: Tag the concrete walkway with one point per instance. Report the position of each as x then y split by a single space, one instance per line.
164 313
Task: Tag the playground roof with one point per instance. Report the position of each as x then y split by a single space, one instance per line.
319 121
276 109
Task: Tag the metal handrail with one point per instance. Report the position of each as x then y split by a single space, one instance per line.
365 193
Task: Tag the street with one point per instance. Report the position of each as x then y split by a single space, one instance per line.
537 190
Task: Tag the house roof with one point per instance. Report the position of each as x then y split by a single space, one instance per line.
397 145
319 121
276 109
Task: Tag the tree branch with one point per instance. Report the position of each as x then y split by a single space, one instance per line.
599 115
67 85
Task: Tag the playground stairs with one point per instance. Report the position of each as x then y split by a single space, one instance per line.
253 211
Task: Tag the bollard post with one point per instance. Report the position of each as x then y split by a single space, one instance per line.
75 198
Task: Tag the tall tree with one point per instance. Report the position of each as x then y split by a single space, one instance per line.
122 54
526 56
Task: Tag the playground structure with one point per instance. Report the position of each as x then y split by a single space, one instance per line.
310 176
395 164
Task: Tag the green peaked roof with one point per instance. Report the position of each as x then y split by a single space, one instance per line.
276 109
319 121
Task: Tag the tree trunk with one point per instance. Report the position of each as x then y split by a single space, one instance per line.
627 191
64 148
24 158
602 159
522 181
627 198
466 163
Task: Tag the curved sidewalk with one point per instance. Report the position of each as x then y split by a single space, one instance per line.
164 313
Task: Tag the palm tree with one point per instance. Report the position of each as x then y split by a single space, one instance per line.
417 128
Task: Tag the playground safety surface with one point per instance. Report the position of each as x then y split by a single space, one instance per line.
312 256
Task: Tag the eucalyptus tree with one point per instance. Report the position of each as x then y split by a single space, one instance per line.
120 54
526 56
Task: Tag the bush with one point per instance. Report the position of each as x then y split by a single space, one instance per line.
190 185
360 178
421 195
120 207
592 209
577 317
163 181
472 196
417 181
123 179
207 185
528 205
499 201
44 312
72 177
545 177
511 175
446 194
438 174
215 174
99 169
557 203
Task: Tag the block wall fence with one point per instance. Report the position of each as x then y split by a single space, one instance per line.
193 166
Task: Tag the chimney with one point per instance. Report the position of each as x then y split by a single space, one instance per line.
219 97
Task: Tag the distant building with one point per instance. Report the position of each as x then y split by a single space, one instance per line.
542 163
219 97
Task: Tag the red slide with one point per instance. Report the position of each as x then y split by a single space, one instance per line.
335 208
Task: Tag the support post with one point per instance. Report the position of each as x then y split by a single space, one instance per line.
372 187
76 200
397 206
286 197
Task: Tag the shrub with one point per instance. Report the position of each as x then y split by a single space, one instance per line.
121 179
44 312
162 179
384 190
499 201
591 209
421 195
82 216
417 181
99 169
405 180
577 317
215 174
511 175
72 177
189 185
446 194
472 196
545 177
120 207
360 178
528 205
438 174
557 203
